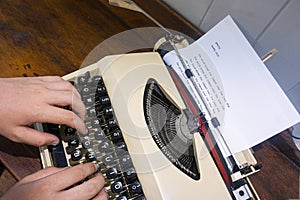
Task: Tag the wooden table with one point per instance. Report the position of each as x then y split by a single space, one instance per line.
51 37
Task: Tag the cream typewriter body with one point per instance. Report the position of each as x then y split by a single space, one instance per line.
129 120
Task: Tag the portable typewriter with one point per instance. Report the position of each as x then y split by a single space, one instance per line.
144 134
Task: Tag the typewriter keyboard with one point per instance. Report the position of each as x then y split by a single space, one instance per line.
104 143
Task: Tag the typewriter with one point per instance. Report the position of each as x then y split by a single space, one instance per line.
147 135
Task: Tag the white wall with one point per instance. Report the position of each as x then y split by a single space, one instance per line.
267 24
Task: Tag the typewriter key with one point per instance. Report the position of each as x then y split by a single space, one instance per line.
112 173
91 111
125 161
76 155
121 147
97 79
86 143
122 198
135 188
90 156
112 123
104 147
101 90
86 90
69 131
116 187
140 198
130 175
104 100
95 123
84 79
116 135
89 101
108 112
108 159
99 134
73 142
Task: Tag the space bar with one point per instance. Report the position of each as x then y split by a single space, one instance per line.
57 152
58 155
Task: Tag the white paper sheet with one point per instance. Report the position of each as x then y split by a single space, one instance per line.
236 86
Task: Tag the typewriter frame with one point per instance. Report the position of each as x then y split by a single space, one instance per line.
162 180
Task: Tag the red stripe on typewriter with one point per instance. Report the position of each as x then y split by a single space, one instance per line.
207 136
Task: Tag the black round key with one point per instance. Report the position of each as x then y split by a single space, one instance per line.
125 161
97 79
99 134
104 147
104 100
97 104
81 80
121 146
112 123
95 123
91 111
130 175
135 188
69 131
108 111
73 142
76 155
88 101
86 90
116 135
140 198
108 159
122 198
101 90
117 187
86 143
112 173
90 156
